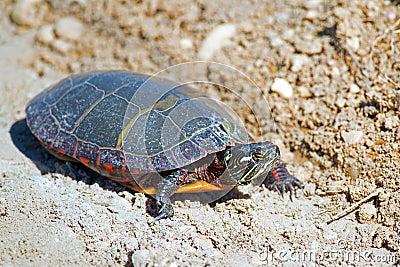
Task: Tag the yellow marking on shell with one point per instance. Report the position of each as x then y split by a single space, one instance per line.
126 129
92 106
166 103
128 126
162 104
233 130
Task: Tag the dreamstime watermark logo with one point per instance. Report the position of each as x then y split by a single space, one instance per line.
171 124
340 254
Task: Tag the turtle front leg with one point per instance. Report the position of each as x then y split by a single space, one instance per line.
281 180
166 188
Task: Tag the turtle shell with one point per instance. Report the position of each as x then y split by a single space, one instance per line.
124 124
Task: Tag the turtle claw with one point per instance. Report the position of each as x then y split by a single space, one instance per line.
283 187
166 211
280 180
291 189
296 183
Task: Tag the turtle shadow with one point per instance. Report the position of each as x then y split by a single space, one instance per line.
28 145
24 140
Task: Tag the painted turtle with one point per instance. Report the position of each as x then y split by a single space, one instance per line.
151 135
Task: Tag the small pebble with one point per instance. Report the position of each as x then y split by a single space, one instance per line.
304 92
352 137
282 87
289 34
335 72
367 213
275 39
311 15
141 257
25 12
69 28
309 46
341 12
62 46
298 62
353 43
202 242
392 122
354 89
318 90
340 102
46 34
335 187
312 4
91 212
384 196
392 16
215 40
353 171
247 27
186 43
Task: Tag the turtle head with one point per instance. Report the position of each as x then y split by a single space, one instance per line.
250 161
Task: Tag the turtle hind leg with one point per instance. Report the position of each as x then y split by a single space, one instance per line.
166 188
281 180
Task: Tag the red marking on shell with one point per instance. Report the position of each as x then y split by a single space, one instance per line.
98 159
109 168
84 160
88 152
75 149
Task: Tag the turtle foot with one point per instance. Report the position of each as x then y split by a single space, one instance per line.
282 181
166 211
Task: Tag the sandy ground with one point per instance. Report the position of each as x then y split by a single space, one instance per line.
339 132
